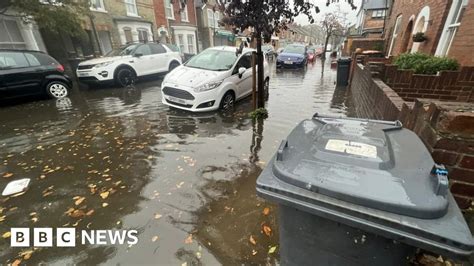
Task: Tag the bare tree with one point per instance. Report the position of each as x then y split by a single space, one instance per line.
331 25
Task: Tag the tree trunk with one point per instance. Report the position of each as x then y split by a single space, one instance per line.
260 81
328 35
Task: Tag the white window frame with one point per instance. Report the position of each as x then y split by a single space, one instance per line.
169 9
184 14
12 44
210 18
100 8
133 4
396 31
180 42
190 39
450 28
217 17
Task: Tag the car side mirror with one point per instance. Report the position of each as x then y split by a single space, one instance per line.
138 54
241 71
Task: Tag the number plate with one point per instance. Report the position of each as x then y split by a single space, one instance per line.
177 100
289 62
83 74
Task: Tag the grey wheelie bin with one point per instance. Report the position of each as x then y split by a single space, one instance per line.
361 192
343 69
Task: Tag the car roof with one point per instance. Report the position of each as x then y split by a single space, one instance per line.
21 51
230 48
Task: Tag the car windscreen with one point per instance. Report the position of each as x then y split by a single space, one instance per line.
127 50
212 59
294 49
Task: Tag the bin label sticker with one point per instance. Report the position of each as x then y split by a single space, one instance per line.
352 147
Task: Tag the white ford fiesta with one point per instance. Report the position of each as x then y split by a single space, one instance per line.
213 79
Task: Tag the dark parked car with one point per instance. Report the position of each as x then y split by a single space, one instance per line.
24 73
294 56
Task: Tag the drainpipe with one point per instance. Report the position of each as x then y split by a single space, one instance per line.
91 17
385 18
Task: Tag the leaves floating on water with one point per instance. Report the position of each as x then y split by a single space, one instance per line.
158 216
6 234
267 230
252 240
7 175
79 200
189 239
266 211
272 250
154 239
104 195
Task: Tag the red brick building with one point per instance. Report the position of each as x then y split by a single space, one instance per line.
177 25
447 24
371 17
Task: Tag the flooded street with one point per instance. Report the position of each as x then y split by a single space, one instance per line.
119 159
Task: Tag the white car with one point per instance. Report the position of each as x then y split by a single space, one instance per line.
122 66
213 79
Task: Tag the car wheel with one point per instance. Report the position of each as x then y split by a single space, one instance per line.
227 102
125 77
57 90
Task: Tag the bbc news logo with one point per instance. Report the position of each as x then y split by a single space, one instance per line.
66 237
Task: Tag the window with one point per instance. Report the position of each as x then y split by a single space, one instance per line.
12 60
97 5
452 24
128 34
245 61
157 49
190 43
131 7
169 9
32 60
379 13
143 49
184 14
142 35
396 30
210 18
45 59
217 17
181 42
10 35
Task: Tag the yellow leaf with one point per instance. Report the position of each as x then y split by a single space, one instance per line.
90 212
7 175
79 200
154 239
6 235
105 204
266 211
104 195
267 230
189 239
272 250
16 262
158 216
252 240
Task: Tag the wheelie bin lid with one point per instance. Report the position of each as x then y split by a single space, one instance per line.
367 168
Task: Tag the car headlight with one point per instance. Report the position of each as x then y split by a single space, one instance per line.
208 86
103 64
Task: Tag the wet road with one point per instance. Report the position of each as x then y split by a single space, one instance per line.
119 159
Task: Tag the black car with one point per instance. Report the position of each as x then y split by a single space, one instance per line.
24 73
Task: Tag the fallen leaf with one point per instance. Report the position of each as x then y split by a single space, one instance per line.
105 204
104 195
77 214
27 254
272 250
90 212
6 235
189 239
267 230
16 262
154 239
158 216
79 200
266 211
252 240
7 175
254 252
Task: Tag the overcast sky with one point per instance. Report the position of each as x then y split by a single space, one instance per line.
333 7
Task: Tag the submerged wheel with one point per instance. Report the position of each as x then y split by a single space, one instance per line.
228 101
57 89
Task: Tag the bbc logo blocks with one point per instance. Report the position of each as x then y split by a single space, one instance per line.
43 237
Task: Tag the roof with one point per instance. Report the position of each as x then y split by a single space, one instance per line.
229 48
376 4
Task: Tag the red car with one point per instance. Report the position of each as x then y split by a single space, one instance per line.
311 56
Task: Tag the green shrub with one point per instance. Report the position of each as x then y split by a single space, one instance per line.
425 64
260 113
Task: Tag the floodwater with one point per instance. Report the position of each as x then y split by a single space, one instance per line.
119 159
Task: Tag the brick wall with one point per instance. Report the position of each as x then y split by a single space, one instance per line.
353 43
160 14
372 23
463 43
409 9
448 85
446 128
